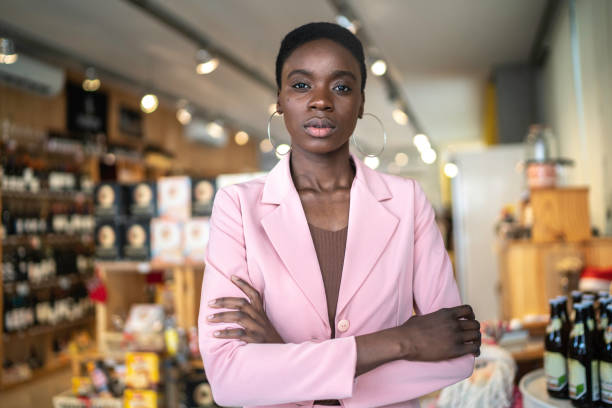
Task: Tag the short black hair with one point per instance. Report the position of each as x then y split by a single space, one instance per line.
314 31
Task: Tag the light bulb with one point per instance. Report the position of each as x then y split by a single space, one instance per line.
149 103
400 117
371 162
429 156
379 67
241 138
421 142
451 170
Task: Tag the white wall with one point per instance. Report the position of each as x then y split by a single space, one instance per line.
575 98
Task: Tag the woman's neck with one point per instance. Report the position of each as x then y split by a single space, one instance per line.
321 173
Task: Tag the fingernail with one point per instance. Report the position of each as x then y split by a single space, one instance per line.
217 333
212 302
210 317
235 278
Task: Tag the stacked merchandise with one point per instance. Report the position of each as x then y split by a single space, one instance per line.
578 356
165 222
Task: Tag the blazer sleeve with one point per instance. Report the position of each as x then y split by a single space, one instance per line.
243 373
434 288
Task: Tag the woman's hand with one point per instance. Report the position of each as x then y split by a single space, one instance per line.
250 315
442 335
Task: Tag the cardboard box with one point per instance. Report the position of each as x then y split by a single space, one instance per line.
142 200
137 240
108 200
174 198
202 195
195 239
108 240
166 241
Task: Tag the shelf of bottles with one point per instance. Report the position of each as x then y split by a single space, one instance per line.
47 258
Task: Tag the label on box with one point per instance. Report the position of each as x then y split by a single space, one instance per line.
166 241
203 195
140 399
196 233
142 200
107 241
174 198
142 370
107 200
137 241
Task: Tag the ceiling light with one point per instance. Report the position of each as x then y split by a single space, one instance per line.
429 156
241 138
282 150
91 83
7 51
451 170
421 142
379 67
215 130
401 159
346 23
400 117
183 115
206 63
371 162
265 146
149 103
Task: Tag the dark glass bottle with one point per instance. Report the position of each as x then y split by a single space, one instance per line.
580 357
565 322
595 343
576 298
605 365
555 364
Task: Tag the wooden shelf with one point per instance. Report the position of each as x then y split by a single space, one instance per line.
51 367
42 330
142 267
73 278
44 195
48 239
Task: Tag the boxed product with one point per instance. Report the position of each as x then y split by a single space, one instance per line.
174 198
166 241
140 399
137 242
108 240
196 391
142 199
108 200
195 239
202 196
142 370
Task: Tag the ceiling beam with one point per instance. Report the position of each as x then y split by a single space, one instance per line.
173 21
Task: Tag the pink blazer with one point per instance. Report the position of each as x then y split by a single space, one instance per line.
395 263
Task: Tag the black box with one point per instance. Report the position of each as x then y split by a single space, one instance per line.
108 200
202 196
137 240
142 200
108 240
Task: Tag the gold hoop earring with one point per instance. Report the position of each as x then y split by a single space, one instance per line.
384 138
270 138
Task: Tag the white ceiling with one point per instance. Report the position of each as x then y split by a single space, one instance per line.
442 51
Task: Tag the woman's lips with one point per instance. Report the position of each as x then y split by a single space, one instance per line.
319 131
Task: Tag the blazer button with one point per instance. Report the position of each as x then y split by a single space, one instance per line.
343 325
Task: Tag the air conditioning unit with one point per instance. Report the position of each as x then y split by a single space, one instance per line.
33 75
203 131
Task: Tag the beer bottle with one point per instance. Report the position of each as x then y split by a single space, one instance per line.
555 364
593 338
576 298
605 365
579 361
564 317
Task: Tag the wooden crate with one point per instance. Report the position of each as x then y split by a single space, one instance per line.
560 215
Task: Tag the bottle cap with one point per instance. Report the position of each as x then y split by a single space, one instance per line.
576 293
562 298
588 296
609 307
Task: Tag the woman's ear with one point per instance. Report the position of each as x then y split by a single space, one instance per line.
279 108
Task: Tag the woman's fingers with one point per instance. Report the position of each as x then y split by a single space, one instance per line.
241 304
469 324
251 293
470 336
230 334
241 318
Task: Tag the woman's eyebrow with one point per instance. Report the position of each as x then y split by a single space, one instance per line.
335 74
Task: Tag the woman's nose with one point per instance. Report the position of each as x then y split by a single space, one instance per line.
321 100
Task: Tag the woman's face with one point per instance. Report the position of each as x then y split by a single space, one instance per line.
320 96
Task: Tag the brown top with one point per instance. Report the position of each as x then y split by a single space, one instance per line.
330 247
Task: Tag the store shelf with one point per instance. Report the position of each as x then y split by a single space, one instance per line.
10 287
51 367
48 239
142 267
77 196
42 330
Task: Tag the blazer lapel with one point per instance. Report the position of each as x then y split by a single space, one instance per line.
370 228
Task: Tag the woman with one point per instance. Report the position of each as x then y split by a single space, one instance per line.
278 327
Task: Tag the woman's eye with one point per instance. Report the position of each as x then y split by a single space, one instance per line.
342 88
299 85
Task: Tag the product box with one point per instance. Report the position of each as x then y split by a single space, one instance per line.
140 399
166 241
195 239
108 240
142 199
195 390
137 240
108 200
174 198
142 370
202 196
